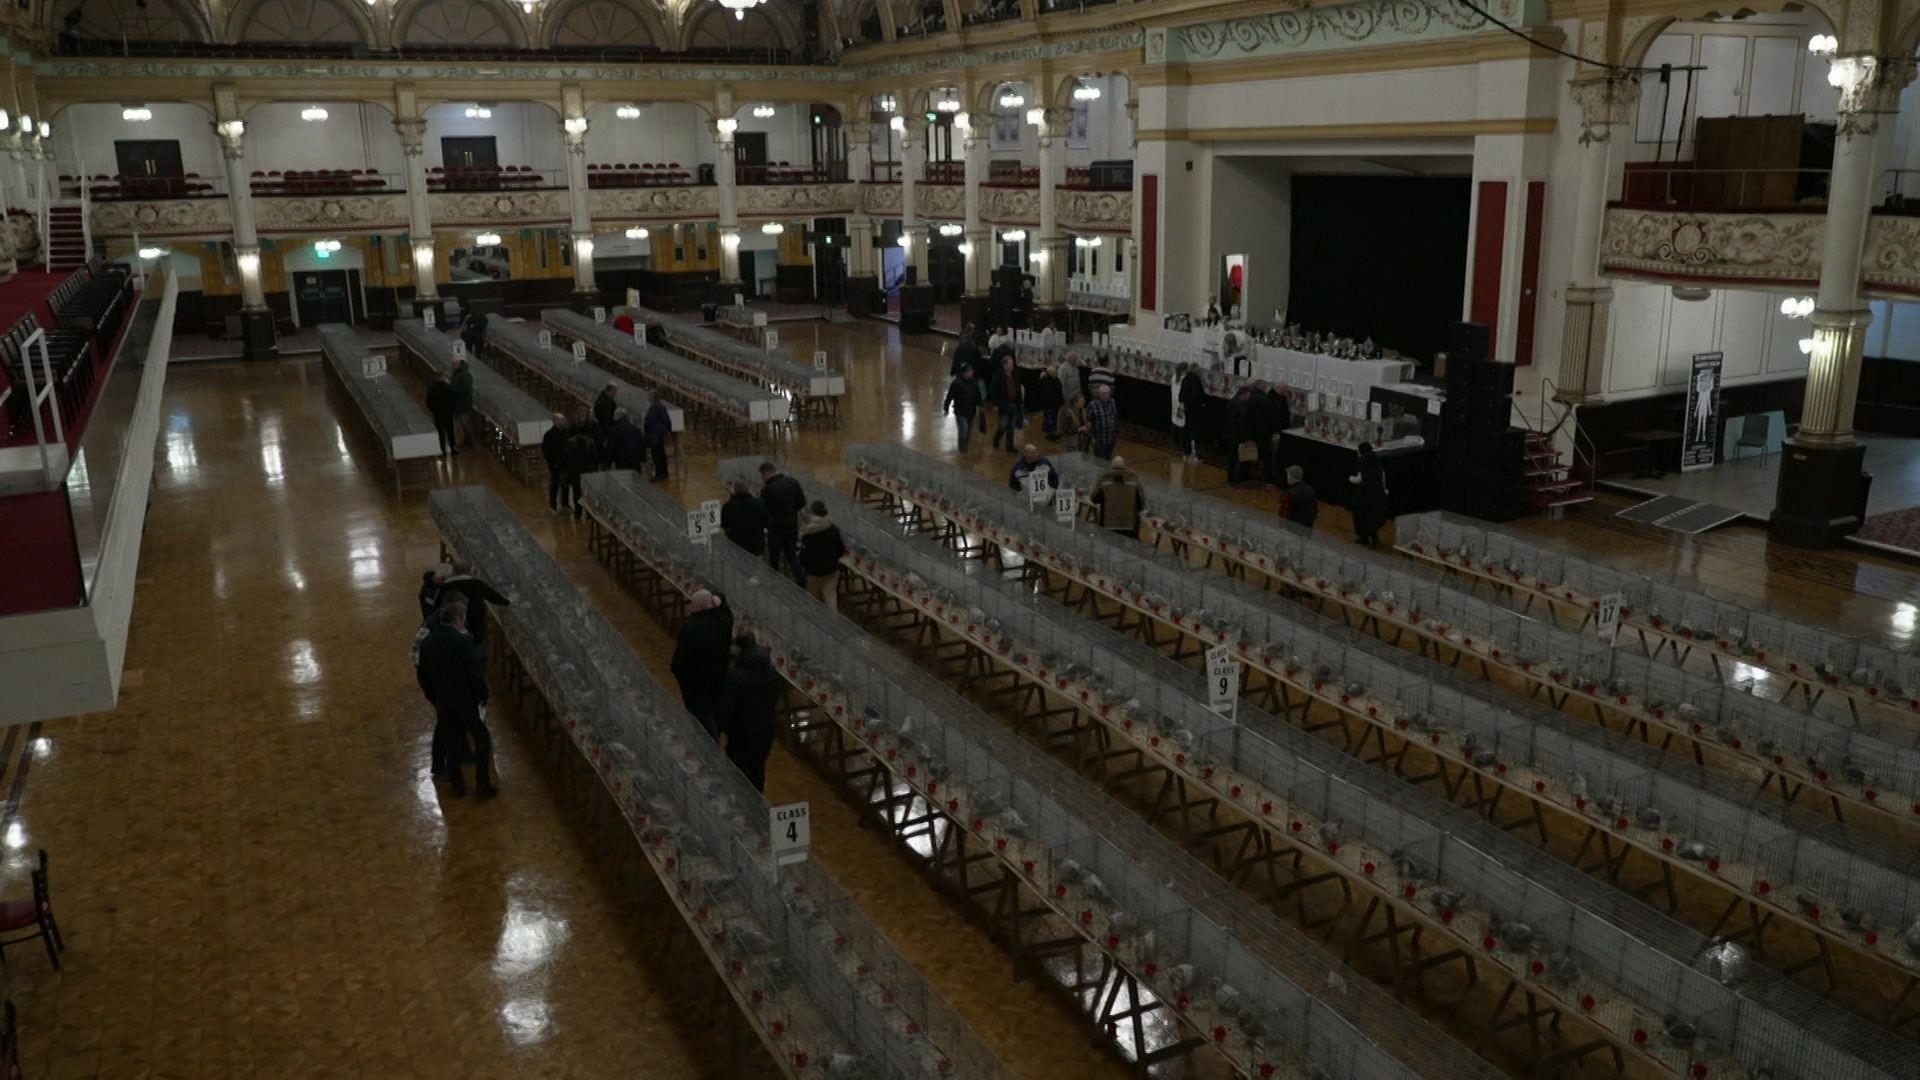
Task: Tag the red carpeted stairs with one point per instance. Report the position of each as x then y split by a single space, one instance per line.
67 239
1550 484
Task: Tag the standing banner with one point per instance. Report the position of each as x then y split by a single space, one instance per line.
1700 439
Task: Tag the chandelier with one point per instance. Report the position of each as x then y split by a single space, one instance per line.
638 232
487 239
739 7
773 228
479 112
1086 92
628 112
1012 100
763 111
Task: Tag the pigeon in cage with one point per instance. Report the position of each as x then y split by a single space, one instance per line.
1355 690
1330 833
1856 919
1911 937
1894 687
1012 824
986 806
1256 1026
1225 996
849 1067
1426 723
1855 772
1679 1030
1823 668
1323 672
1182 976
1648 817
1481 757
1513 933
1558 670
1613 806
1658 705
746 942
1406 865
1723 961
1446 899
1125 924
1696 851
1809 905
1618 688
1563 968
938 770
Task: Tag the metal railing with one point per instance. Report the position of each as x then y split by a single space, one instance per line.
1687 187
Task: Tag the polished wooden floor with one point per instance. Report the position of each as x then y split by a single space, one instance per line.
256 877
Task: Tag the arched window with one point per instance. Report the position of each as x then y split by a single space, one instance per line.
603 23
458 22
714 27
302 21
110 20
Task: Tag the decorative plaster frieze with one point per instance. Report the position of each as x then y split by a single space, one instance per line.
162 218
947 201
1010 206
689 203
1094 211
1892 260
457 208
881 199
1365 22
795 200
345 213
1699 244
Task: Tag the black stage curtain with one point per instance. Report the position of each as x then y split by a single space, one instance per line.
1380 256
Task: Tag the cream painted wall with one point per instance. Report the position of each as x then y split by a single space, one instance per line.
1256 199
1652 338
351 137
524 134
84 136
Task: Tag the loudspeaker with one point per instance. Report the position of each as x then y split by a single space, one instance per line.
1492 379
1467 343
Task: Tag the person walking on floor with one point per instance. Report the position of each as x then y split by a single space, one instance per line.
1047 399
1068 373
784 499
1237 438
1279 419
453 676
433 587
963 401
1299 504
626 446
553 450
1103 422
440 404
1073 422
657 426
1369 497
1009 401
966 354
743 518
749 710
821 549
604 405
474 332
1189 402
462 383
1117 493
583 456
699 663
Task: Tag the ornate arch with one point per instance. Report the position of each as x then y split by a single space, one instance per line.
458 22
710 26
1906 40
1638 33
155 20
580 23
301 21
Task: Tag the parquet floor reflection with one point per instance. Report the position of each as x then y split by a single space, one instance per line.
255 876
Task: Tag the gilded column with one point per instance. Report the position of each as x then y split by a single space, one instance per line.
1050 272
980 249
412 129
862 281
257 329
913 156
1606 101
573 126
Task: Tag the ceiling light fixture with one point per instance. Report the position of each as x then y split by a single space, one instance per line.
1797 307
638 232
46 130
479 112
739 7
487 239
773 228
763 111
136 114
1086 92
1823 44
1084 242
1012 100
951 229
886 103
313 114
628 112
898 123
152 252
946 105
1014 236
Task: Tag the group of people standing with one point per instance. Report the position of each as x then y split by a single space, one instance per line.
777 523
990 392
610 438
728 683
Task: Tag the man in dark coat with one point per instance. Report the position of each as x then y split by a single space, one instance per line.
784 499
1279 419
657 426
440 404
699 662
1301 504
1009 398
963 401
749 710
626 446
1192 394
553 448
603 408
965 354
474 333
583 456
462 383
743 517
1237 430
453 676
478 594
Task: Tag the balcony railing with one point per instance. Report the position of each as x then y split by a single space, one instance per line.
1682 186
493 178
275 183
1754 249
945 172
642 174
108 188
779 172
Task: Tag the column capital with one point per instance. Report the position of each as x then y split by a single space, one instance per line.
1605 100
1869 88
413 136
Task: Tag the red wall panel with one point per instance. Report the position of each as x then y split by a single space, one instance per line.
1529 272
1149 243
1489 242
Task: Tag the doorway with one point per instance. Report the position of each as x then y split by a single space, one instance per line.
323 296
148 157
469 152
749 274
750 156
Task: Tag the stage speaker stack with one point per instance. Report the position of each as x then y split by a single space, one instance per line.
1481 456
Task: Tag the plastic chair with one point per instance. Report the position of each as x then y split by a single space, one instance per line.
1755 432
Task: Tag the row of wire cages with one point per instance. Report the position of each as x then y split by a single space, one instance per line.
777 366
556 363
823 981
1624 965
1684 810
1120 877
683 376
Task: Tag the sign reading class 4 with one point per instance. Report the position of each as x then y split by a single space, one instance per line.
790 831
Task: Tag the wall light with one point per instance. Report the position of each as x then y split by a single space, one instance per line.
1086 92
1037 116
1845 73
582 248
726 126
906 240
763 111
152 252
773 228
1806 345
951 229
898 123
963 123
136 114
326 247
1037 257
26 125
1014 236
479 112
5 123
1086 242
575 125
638 232
886 103
232 129
1797 307
248 262
1012 100
313 114
628 112
730 240
965 249
946 105
46 130
1823 44
487 239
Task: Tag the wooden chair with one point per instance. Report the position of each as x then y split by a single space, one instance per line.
33 913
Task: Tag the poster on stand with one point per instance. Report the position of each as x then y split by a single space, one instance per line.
1700 438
